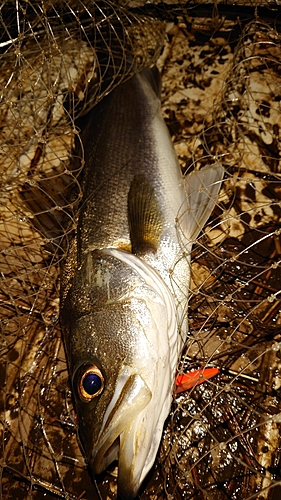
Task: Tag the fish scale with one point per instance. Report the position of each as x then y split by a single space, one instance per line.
122 143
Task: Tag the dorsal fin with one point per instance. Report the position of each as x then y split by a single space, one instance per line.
144 215
202 188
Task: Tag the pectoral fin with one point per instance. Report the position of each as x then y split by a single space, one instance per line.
202 188
144 214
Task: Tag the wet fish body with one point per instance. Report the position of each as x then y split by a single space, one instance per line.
125 280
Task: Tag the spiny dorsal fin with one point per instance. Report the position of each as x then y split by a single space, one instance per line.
144 214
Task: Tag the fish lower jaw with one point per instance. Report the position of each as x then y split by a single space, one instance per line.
128 485
100 463
119 438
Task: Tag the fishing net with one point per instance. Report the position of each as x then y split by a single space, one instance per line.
221 100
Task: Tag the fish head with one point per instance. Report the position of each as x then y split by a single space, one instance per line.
120 335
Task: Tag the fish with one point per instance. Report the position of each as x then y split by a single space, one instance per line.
125 277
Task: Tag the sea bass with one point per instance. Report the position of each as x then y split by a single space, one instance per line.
125 280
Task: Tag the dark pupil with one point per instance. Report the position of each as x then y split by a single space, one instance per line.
92 383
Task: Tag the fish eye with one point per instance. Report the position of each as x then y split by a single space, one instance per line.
90 382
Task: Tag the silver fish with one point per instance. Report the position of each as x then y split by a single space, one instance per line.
126 278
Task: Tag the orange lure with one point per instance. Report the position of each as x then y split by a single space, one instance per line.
186 381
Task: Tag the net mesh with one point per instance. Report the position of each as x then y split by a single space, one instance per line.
221 101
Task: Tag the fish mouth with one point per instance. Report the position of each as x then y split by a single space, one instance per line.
124 436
